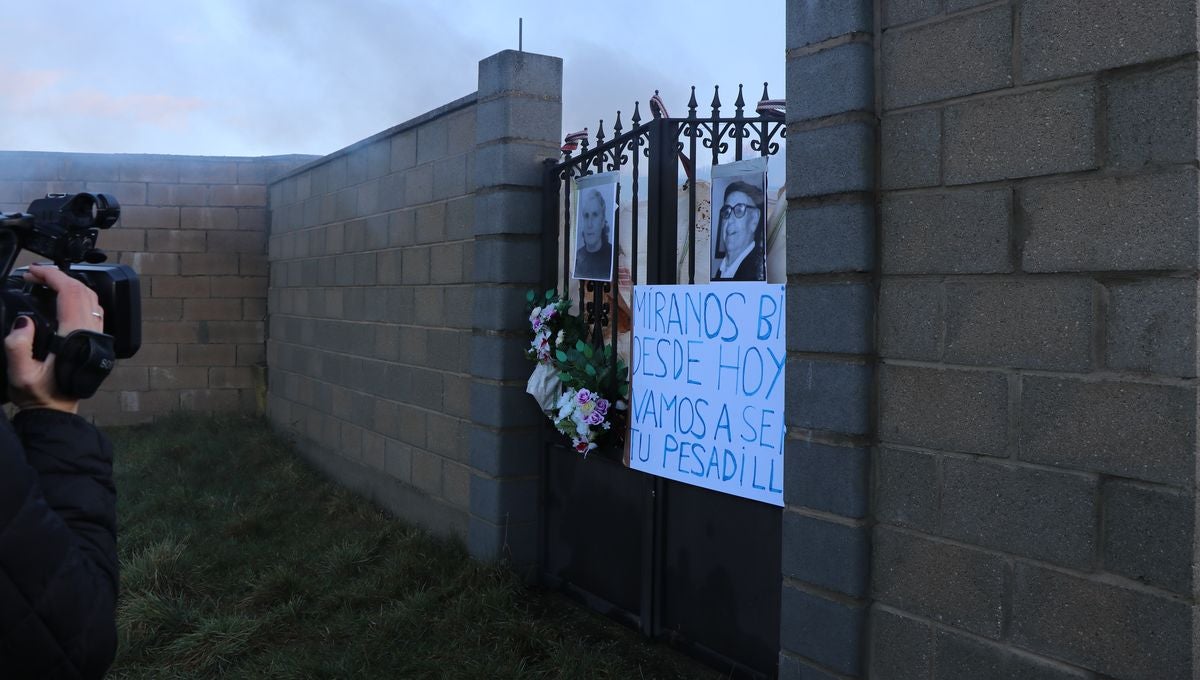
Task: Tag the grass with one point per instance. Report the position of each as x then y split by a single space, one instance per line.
240 561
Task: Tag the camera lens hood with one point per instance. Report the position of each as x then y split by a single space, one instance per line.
83 360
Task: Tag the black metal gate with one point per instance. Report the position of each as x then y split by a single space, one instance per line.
684 564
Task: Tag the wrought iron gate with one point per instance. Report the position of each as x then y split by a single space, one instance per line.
691 566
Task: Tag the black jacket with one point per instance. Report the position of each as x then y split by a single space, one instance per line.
58 548
595 266
751 268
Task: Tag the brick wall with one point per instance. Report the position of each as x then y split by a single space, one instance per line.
1035 469
395 299
194 228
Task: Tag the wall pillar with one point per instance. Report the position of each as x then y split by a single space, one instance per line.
518 125
831 254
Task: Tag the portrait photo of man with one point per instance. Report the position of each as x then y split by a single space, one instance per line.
593 260
739 229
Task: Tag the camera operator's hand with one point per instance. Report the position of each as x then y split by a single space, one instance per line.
31 382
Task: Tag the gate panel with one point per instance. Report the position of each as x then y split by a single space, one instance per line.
698 568
594 511
721 576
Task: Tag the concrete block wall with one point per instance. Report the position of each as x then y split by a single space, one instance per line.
371 252
1034 477
398 271
194 228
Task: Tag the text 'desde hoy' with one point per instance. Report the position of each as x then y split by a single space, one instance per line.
707 369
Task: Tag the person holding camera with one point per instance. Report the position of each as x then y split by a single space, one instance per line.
58 553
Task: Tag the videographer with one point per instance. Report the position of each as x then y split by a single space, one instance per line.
58 557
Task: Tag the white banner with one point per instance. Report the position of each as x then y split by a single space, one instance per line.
707 385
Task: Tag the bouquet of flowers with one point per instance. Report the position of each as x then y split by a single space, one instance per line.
572 380
578 412
549 327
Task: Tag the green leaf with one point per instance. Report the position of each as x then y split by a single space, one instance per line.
550 294
579 345
587 351
564 377
590 369
560 355
624 390
529 296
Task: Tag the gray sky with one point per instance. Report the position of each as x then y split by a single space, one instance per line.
259 77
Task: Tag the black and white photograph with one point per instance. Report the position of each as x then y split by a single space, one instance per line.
594 218
739 208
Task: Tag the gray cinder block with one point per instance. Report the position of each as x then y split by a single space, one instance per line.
828 478
944 409
829 395
831 238
957 232
998 506
1046 324
904 11
825 631
1116 631
1135 430
907 491
1152 117
901 648
1148 534
830 555
1067 37
910 322
911 150
955 586
830 317
1021 135
497 500
812 21
951 58
1144 222
831 160
1151 326
522 72
837 80
959 656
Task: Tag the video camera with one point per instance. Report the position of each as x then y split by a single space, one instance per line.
64 227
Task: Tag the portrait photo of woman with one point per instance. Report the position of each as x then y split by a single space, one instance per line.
594 218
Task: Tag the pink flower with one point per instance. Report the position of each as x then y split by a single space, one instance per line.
601 407
583 396
595 417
